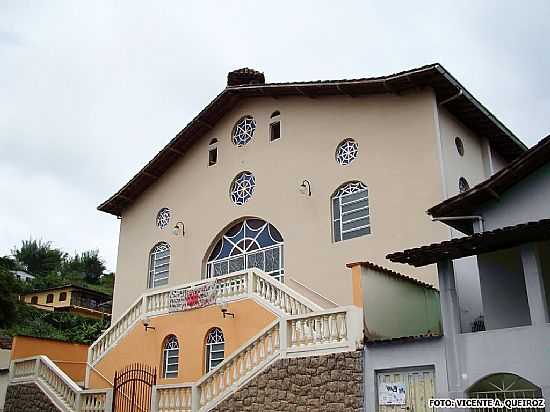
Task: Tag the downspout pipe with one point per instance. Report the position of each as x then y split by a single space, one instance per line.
447 218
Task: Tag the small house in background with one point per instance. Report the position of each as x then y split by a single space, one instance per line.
70 298
22 275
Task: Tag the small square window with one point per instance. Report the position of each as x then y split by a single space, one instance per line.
274 131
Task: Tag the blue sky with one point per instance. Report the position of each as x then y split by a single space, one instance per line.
90 91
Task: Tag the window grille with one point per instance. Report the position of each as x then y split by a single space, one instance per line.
214 348
170 358
244 130
350 211
242 188
163 217
159 265
347 151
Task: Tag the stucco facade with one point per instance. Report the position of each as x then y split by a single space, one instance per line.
399 160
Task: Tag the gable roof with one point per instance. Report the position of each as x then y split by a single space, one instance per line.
465 203
69 286
447 89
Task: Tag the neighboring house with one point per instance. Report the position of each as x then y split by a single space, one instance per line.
22 275
70 298
506 352
234 239
5 350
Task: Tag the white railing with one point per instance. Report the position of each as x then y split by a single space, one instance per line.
233 370
172 398
115 332
310 334
252 283
280 296
67 395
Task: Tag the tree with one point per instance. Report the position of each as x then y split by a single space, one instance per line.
89 264
8 263
39 258
8 299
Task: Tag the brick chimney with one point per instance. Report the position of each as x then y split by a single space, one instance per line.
245 76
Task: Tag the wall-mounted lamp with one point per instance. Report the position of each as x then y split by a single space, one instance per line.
305 188
179 228
225 310
146 322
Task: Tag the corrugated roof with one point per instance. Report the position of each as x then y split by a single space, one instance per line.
466 203
402 339
502 238
464 106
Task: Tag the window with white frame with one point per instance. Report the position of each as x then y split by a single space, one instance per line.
159 265
350 211
214 348
275 126
243 131
170 357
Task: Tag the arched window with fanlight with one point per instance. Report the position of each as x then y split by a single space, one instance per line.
170 357
275 126
251 243
159 265
215 347
350 211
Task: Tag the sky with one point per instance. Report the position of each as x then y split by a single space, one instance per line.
90 91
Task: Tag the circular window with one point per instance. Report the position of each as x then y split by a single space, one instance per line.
242 188
459 146
347 151
463 185
163 217
244 130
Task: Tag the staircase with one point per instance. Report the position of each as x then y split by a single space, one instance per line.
302 329
253 284
66 395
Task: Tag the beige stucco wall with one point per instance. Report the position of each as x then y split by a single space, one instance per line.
472 165
398 160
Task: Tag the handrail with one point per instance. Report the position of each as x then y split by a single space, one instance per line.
253 283
65 392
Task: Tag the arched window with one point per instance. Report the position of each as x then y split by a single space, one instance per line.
504 386
49 298
350 211
34 300
213 152
252 243
159 265
170 357
214 348
275 126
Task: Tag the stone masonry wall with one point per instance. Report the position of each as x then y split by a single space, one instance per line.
332 383
28 398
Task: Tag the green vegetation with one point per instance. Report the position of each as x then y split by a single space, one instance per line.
51 267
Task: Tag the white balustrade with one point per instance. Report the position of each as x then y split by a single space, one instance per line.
24 368
44 372
173 398
93 401
281 296
243 363
111 335
340 327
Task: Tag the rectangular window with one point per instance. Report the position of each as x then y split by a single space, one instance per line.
212 156
49 298
171 363
274 131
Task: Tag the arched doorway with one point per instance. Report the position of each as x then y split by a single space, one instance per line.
251 243
504 386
